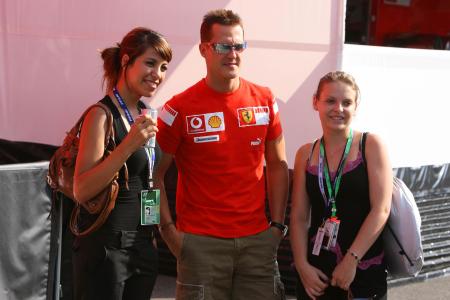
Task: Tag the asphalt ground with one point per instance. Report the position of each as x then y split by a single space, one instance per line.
431 289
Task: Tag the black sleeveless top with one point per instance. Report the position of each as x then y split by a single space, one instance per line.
353 206
126 213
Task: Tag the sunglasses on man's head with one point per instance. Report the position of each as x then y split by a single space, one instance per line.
221 48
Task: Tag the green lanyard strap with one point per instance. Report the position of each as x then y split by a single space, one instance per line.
324 171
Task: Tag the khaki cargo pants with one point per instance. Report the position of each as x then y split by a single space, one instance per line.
230 269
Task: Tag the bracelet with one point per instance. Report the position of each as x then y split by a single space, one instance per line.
164 226
355 256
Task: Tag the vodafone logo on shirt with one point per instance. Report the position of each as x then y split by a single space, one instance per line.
253 116
210 122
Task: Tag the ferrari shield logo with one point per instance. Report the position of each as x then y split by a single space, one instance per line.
247 115
253 116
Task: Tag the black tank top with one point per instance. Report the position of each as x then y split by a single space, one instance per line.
353 206
126 213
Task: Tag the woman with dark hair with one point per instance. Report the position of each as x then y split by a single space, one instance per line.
119 261
341 200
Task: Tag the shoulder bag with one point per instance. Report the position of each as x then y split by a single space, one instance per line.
61 170
401 236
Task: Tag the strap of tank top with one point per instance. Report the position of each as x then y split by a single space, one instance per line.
362 147
114 111
311 151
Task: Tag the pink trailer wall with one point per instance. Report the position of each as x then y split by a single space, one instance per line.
50 69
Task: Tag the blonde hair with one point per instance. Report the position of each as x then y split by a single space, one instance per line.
338 76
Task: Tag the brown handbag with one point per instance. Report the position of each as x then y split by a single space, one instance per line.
61 170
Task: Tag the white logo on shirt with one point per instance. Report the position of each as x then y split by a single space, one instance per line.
206 139
256 142
253 116
275 107
196 122
168 114
210 122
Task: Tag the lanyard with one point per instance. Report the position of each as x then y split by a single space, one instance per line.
150 152
323 171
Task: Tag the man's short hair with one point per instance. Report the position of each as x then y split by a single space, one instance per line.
218 16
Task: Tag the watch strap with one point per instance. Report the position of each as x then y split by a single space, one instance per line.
283 228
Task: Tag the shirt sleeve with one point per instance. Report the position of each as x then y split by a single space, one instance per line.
169 125
274 130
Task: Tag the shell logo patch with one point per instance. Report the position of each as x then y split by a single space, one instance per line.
215 122
253 116
210 122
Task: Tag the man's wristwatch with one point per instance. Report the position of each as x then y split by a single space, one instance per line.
283 228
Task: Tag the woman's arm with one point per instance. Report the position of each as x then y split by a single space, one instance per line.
380 192
314 281
91 174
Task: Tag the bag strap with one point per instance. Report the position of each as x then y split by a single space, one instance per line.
109 123
110 142
109 136
362 148
111 195
399 244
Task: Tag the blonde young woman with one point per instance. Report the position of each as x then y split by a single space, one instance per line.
340 202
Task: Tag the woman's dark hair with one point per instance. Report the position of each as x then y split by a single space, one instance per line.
134 44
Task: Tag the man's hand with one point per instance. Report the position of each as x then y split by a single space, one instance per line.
277 232
173 238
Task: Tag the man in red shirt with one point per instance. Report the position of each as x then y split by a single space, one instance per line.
220 131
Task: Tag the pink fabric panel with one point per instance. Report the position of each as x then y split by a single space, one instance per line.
50 70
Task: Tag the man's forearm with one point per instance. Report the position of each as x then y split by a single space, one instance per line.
277 190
